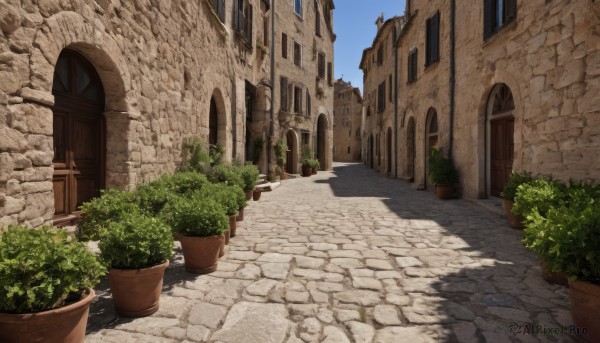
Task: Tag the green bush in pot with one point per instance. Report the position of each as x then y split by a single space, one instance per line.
541 194
109 207
231 175
441 169
249 173
514 181
196 216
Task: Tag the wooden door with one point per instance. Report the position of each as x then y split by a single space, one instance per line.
502 153
78 136
289 164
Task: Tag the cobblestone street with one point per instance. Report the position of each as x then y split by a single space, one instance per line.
351 256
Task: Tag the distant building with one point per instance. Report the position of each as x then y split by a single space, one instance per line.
347 122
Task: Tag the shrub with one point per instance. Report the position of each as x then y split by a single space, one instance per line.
136 242
185 183
249 175
44 269
216 154
194 156
196 217
541 194
514 181
566 236
153 196
441 169
227 174
98 212
225 195
306 155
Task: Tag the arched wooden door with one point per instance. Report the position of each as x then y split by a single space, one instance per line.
502 146
213 125
389 151
322 141
78 136
410 149
291 159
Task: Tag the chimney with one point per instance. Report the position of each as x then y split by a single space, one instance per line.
379 21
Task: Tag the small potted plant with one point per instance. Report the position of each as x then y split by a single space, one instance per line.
281 149
274 173
443 173
200 223
46 278
256 194
315 165
509 194
306 161
566 238
137 249
112 205
249 175
242 203
226 196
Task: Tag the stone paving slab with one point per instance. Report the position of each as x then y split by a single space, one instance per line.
351 256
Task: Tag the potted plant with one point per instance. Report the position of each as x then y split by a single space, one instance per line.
315 165
509 194
566 238
200 223
226 196
241 202
249 175
281 149
443 173
274 173
46 282
98 212
256 194
306 161
137 249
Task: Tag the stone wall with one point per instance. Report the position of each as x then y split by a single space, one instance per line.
347 114
159 61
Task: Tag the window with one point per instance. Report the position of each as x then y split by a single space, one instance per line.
348 149
496 14
390 88
330 73
432 46
369 111
412 65
305 138
242 19
308 103
297 54
321 65
298 7
297 100
381 97
283 94
219 6
284 45
317 19
380 55
349 135
266 31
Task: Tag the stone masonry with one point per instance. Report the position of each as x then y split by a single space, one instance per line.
347 126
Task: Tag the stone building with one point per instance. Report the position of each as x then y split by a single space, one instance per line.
378 64
303 88
347 124
501 85
102 94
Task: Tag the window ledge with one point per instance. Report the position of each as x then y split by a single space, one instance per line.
431 65
511 25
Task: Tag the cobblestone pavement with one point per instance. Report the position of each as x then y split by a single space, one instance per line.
350 256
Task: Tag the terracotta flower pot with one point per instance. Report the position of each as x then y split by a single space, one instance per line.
248 195
551 277
284 176
66 324
256 194
239 217
585 309
314 170
232 225
224 242
306 171
516 222
444 192
201 254
136 292
227 236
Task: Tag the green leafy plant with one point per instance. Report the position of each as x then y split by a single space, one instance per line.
540 194
514 181
194 156
306 155
227 174
225 195
249 174
98 212
314 163
566 236
441 169
153 196
44 269
136 242
196 216
281 151
257 149
216 154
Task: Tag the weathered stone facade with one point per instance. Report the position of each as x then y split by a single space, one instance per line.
161 65
347 125
537 70
305 115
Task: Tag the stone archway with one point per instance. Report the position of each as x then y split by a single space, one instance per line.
410 149
217 121
500 123
291 166
389 150
322 143
431 139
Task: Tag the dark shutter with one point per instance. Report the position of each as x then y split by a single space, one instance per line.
249 22
241 19
488 18
284 45
435 38
511 10
308 103
427 41
284 97
235 19
221 9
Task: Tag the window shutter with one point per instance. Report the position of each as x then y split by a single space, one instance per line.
249 22
511 10
488 20
221 9
435 37
284 98
241 19
284 45
235 19
428 41
308 103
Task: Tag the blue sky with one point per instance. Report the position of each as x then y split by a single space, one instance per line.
354 25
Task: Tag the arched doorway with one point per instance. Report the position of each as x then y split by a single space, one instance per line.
410 149
431 138
213 122
292 153
371 150
378 149
78 135
389 151
500 126
322 140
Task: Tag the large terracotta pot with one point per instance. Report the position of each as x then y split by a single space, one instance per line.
306 171
551 277
516 222
239 217
136 292
232 225
66 324
256 194
201 254
248 195
585 310
283 176
444 192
